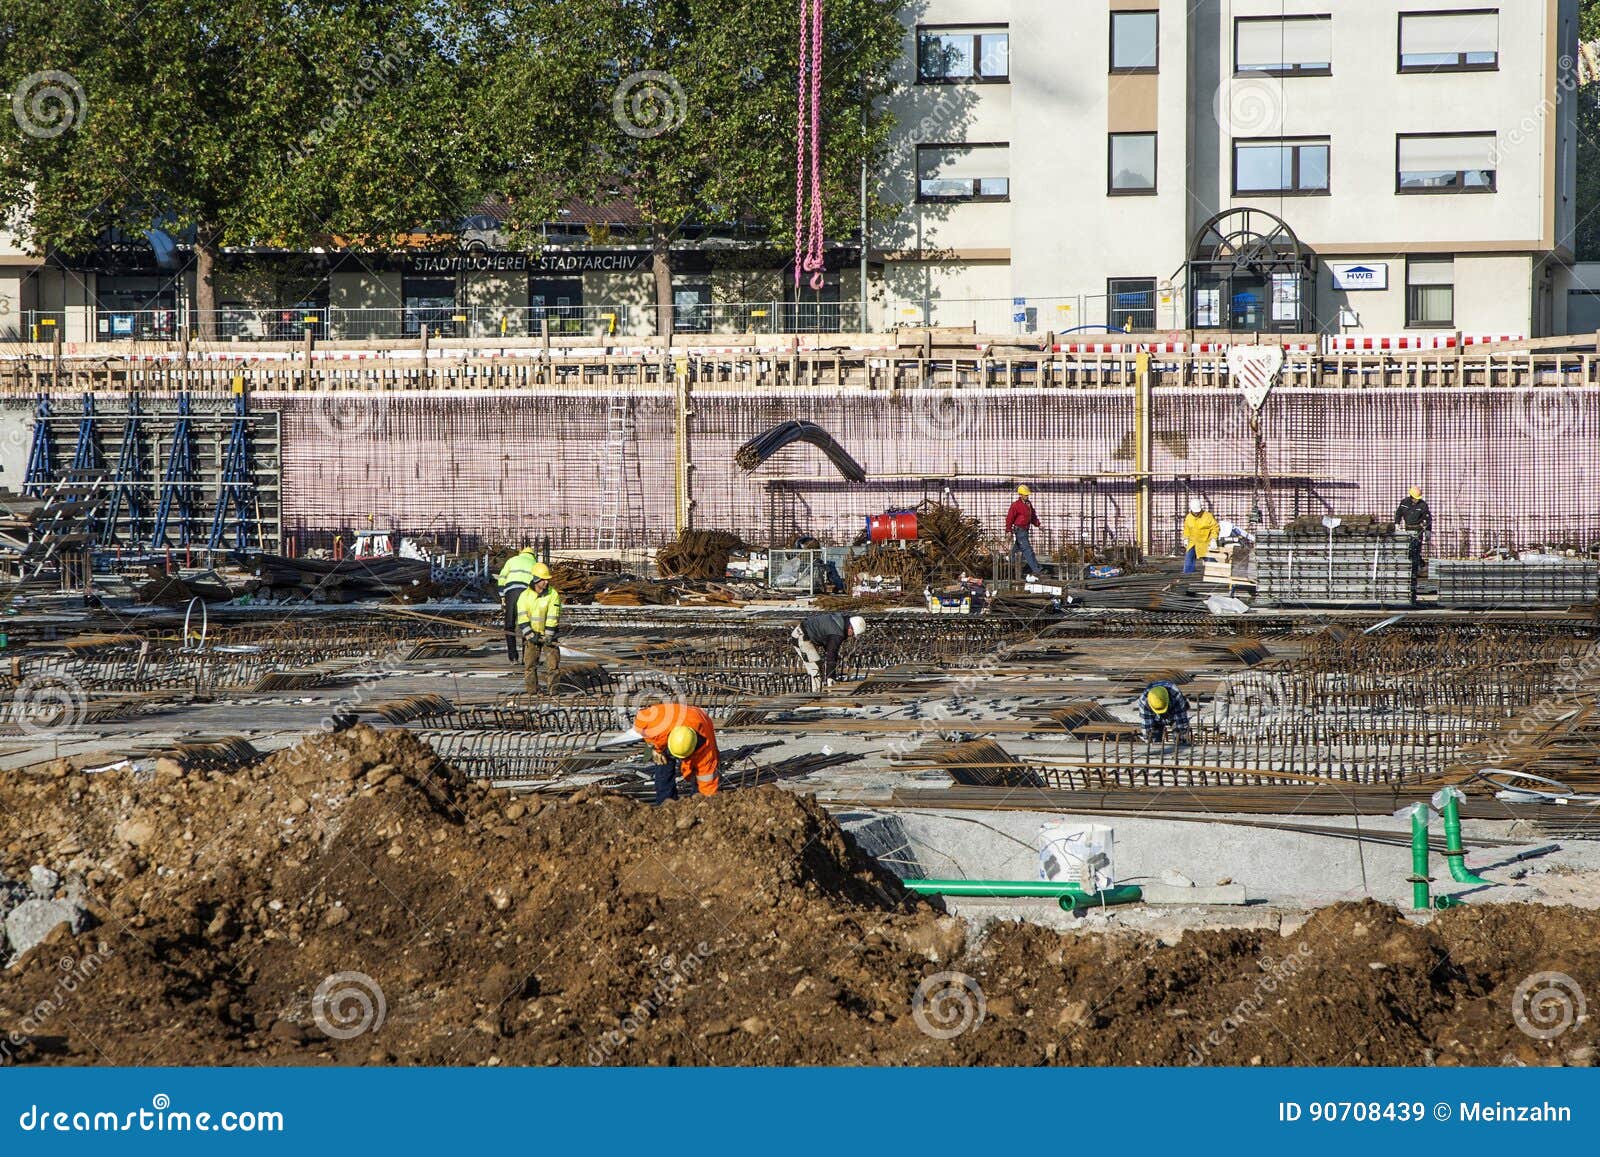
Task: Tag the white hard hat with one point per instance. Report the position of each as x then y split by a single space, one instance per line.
1194 506
858 625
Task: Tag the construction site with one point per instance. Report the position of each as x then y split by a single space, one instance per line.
1322 793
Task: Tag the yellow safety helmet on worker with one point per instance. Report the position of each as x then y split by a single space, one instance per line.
1160 700
683 740
541 571
1023 492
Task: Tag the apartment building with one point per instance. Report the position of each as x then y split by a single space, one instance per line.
1342 166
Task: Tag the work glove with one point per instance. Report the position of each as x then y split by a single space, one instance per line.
1146 737
550 635
657 756
527 636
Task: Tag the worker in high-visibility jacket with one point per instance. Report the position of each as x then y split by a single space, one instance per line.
1199 532
683 742
539 623
514 578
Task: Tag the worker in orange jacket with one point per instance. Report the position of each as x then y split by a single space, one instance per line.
684 742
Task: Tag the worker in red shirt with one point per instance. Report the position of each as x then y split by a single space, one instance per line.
683 742
1020 519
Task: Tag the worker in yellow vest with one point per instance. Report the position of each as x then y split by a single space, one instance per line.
514 578
1199 532
539 622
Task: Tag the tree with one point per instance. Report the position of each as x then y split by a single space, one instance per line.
236 122
687 107
1586 239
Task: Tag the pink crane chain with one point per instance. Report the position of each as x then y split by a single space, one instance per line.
808 254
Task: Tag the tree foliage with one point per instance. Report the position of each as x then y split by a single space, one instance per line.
1586 239
280 123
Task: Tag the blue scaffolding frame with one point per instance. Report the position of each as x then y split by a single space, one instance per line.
178 482
125 484
238 487
41 473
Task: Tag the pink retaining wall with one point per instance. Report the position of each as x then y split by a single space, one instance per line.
1500 467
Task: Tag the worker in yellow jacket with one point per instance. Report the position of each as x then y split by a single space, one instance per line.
1199 532
512 580
539 624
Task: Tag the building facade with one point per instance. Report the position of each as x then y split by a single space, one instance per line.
1361 166
1331 166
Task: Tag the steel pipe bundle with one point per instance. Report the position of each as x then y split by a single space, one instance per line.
1515 583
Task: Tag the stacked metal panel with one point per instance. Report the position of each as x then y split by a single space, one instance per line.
1354 568
1515 583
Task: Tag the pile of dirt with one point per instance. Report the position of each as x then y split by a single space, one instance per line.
353 900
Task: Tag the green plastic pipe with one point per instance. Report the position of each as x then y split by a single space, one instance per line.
1419 857
1046 888
1448 801
1120 894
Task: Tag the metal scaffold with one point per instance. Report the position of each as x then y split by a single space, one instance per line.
197 472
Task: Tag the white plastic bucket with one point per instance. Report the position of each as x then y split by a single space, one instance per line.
1078 853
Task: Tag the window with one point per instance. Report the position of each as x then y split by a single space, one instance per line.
963 172
1450 41
1132 168
1131 303
427 301
1451 163
1431 291
1134 42
557 302
691 306
1280 167
949 55
1283 45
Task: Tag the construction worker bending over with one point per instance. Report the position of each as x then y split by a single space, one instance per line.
818 639
1021 518
1199 532
1163 708
539 621
683 742
514 578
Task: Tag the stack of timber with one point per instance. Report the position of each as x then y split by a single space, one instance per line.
1515 582
347 580
1355 566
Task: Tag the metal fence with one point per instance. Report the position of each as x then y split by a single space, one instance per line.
1134 312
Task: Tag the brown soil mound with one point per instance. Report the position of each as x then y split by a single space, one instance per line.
257 916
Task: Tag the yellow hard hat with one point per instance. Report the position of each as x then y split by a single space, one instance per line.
541 571
1416 492
527 550
1023 491
682 742
1159 699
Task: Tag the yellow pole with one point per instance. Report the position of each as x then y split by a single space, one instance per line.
1141 454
